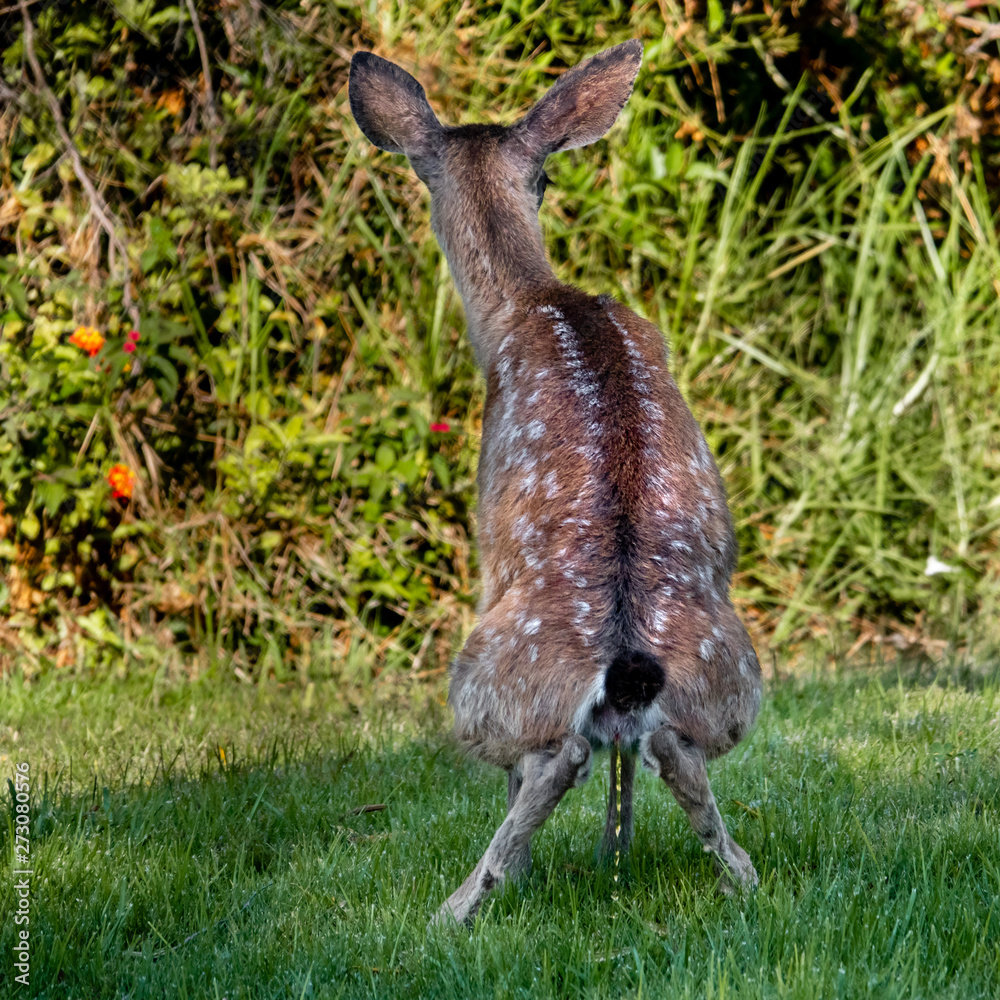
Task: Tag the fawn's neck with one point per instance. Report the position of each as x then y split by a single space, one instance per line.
495 263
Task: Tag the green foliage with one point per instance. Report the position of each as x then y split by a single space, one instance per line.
216 846
820 249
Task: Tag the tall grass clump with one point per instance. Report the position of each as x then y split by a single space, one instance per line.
841 351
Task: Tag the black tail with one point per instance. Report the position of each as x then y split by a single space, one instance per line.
633 680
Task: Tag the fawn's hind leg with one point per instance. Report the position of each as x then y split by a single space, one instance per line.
681 765
618 825
546 779
522 862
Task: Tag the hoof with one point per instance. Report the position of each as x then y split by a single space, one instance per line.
737 873
443 918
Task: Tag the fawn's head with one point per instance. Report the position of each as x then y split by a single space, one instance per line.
487 181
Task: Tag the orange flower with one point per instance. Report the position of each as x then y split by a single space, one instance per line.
122 479
87 339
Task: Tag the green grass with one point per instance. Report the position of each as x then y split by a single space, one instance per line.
166 867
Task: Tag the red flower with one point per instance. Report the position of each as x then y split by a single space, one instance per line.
133 335
440 428
121 479
128 347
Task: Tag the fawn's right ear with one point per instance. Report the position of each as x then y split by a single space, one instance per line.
391 108
583 103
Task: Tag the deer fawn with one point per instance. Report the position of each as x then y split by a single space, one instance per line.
606 542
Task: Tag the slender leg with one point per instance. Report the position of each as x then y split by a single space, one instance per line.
681 765
547 778
514 781
522 862
619 806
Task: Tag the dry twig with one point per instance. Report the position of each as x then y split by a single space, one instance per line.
98 206
209 97
373 807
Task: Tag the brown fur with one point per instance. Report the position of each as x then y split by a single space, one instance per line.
604 531
632 564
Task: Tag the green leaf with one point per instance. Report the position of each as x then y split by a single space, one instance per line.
270 539
52 494
37 158
13 290
441 470
716 17
675 159
165 377
406 471
81 33
97 626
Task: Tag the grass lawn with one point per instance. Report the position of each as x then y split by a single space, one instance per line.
207 841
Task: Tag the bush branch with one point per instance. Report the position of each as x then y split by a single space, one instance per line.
98 206
206 69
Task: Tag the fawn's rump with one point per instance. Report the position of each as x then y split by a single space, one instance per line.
525 680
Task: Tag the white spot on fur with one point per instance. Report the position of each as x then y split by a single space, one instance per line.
548 311
659 618
593 698
524 530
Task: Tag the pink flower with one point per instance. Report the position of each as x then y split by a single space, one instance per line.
128 347
440 428
133 335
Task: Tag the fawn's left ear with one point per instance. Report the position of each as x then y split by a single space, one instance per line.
391 108
584 102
